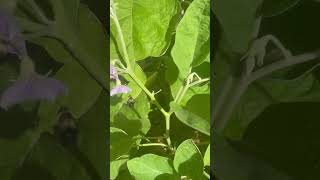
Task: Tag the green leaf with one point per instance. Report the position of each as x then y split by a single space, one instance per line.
8 5
243 165
271 90
192 44
188 160
176 80
88 93
115 167
145 25
15 151
117 102
65 12
93 125
272 8
134 119
206 158
151 166
191 119
57 160
120 143
127 123
96 47
244 13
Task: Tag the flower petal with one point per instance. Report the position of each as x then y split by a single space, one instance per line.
11 35
120 90
32 88
113 72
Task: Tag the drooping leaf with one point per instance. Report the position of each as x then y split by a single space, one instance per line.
188 160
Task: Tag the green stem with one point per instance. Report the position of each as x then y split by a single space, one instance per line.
236 87
206 174
153 144
167 118
166 114
186 87
122 41
159 137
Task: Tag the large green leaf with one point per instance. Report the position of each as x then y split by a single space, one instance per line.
243 165
191 119
188 160
145 25
96 47
57 160
237 19
192 44
93 125
151 166
88 93
65 12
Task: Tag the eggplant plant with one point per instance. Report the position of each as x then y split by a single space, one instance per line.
160 89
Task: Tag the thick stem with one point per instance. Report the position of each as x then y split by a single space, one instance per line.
283 64
235 90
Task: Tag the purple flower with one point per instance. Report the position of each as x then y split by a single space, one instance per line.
10 34
31 88
119 90
113 73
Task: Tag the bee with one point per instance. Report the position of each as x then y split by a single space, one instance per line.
66 129
196 137
130 101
